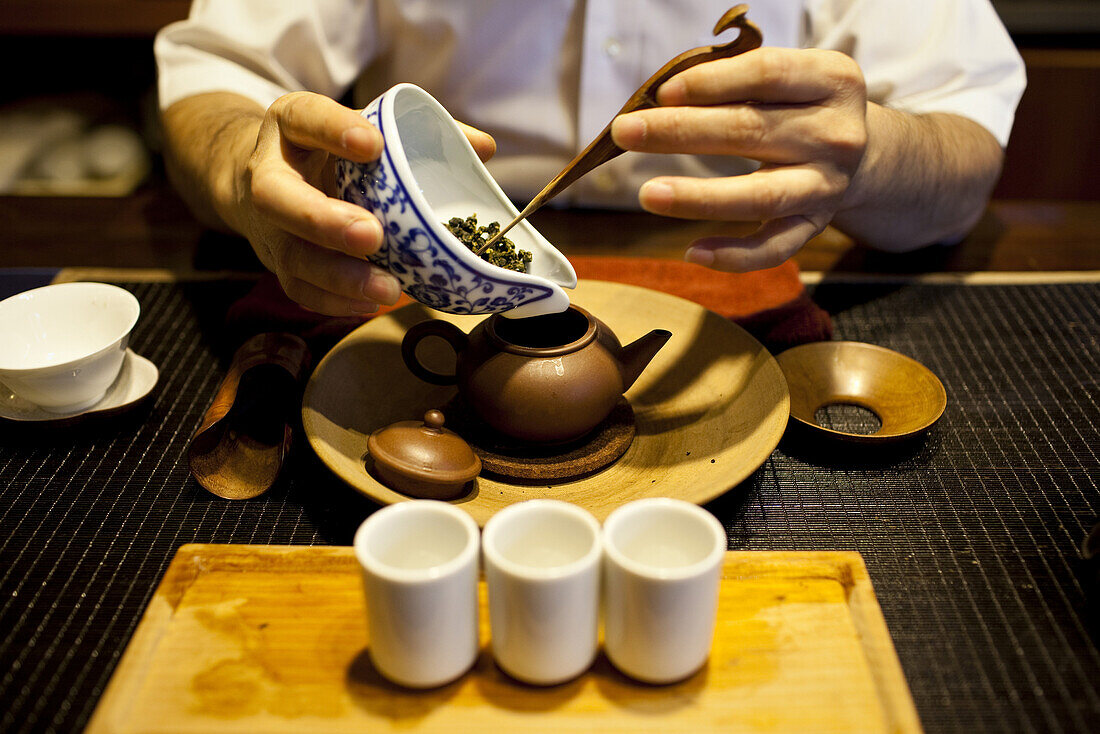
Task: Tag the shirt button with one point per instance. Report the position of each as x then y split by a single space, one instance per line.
612 47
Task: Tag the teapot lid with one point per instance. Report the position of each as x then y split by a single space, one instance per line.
422 458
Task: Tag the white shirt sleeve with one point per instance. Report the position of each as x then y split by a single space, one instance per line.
942 56
263 50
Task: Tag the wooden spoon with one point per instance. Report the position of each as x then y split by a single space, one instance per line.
603 149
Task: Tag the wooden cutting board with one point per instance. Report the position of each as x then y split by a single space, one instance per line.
273 639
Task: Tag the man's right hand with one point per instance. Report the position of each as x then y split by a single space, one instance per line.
315 244
269 176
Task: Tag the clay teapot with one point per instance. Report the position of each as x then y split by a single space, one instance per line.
545 379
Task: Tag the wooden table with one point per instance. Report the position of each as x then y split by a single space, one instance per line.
153 229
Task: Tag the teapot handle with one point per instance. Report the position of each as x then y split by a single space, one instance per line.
444 330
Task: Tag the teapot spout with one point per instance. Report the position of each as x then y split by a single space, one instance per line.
639 353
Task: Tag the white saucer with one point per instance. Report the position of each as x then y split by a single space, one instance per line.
135 380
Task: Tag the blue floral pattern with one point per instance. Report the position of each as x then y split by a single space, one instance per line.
413 248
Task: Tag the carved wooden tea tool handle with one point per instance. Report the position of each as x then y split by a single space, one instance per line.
603 149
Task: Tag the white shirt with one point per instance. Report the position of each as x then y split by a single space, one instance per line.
545 77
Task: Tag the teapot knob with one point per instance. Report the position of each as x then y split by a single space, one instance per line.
433 420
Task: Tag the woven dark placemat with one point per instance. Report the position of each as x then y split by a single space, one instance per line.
971 535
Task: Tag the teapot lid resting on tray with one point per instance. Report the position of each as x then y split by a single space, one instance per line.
422 458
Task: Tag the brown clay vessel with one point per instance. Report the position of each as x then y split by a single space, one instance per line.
422 458
545 379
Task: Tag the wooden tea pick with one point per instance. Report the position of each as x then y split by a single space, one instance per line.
603 149
245 435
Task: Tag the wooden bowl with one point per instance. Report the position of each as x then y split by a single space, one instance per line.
904 394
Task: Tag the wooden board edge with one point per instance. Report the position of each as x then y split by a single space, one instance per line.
882 656
837 566
110 714
147 275
1006 277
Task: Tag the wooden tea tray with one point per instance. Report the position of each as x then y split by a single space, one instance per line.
709 409
273 639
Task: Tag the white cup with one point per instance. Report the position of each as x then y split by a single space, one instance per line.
542 566
62 345
662 569
420 573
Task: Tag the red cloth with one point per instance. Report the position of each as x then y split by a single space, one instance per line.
771 304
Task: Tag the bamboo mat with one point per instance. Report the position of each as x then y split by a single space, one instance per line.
970 536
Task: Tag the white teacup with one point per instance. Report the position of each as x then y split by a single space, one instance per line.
542 565
662 569
420 571
62 345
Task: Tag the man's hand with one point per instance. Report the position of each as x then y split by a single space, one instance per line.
801 113
316 245
269 176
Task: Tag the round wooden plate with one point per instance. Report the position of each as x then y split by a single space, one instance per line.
709 408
